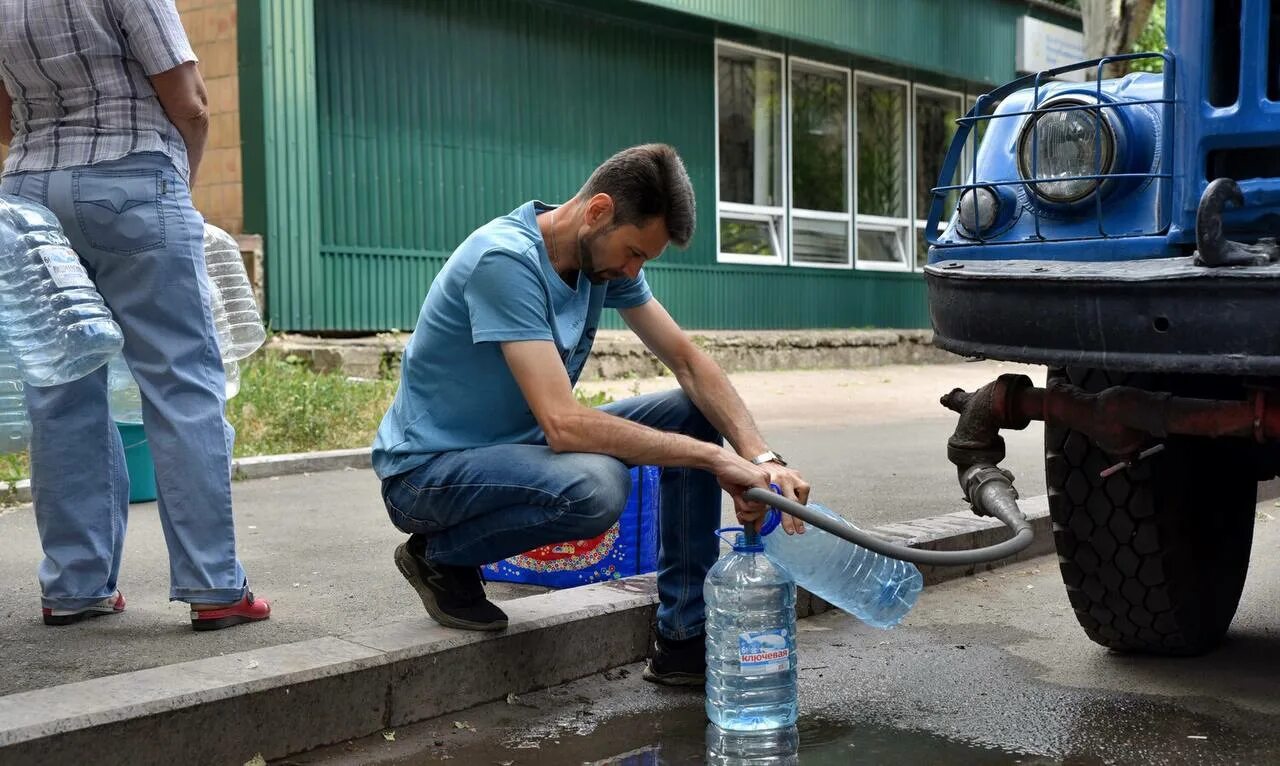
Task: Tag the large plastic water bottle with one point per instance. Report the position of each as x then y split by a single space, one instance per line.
751 640
57 327
777 747
240 329
122 392
15 427
126 400
233 378
874 588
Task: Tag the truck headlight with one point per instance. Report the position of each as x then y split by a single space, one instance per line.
1065 144
977 212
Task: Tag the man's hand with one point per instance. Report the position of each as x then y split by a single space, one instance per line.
737 475
713 394
185 100
794 487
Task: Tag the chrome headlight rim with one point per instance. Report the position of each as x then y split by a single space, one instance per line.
1110 147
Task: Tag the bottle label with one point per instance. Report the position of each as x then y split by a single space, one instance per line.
65 273
764 651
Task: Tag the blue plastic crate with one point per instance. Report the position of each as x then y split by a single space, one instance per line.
629 548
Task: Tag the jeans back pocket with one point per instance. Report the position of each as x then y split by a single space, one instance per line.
120 211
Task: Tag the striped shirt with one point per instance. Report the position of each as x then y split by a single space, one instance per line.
77 71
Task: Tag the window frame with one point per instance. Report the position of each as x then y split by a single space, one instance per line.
755 212
919 224
850 197
905 225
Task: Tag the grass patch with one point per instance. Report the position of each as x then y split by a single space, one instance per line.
592 400
14 467
285 407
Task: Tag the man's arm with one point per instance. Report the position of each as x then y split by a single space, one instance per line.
158 41
709 389
182 93
573 427
6 116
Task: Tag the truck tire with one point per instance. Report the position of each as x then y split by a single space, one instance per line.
1154 557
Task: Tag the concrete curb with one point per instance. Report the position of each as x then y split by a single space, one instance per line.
266 466
290 698
16 492
619 354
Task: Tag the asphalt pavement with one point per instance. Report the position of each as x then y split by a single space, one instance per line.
986 670
319 546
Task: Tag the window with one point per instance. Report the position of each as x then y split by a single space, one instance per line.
821 167
935 125
820 157
749 105
884 175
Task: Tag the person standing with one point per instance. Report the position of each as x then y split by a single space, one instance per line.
106 117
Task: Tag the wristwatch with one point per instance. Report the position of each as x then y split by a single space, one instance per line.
768 457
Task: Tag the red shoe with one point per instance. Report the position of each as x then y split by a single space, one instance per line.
109 605
246 609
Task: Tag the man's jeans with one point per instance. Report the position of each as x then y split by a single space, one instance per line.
133 225
483 505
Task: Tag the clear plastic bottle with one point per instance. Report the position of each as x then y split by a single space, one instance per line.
751 641
126 399
233 379
777 747
55 322
15 426
220 324
874 588
239 322
122 392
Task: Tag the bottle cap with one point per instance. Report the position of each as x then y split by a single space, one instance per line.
772 520
741 542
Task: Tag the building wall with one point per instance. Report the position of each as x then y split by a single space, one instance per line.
463 110
218 194
965 38
380 132
211 27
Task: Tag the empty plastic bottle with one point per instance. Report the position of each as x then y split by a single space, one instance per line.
751 640
240 329
57 327
15 427
874 588
126 399
233 379
778 747
122 392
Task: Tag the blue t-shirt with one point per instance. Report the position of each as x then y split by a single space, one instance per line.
456 390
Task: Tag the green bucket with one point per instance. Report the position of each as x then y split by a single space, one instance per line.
137 459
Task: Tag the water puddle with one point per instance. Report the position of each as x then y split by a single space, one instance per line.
681 736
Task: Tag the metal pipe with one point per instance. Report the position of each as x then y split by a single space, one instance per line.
1121 419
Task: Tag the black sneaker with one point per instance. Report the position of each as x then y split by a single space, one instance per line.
677 663
453 596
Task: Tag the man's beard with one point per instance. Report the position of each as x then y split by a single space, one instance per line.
587 262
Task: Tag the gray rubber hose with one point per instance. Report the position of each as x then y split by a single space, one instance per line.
996 498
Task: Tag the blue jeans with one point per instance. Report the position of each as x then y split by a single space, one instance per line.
134 227
483 505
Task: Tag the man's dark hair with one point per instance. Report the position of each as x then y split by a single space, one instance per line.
645 182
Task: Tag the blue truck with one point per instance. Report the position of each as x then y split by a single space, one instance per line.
1120 232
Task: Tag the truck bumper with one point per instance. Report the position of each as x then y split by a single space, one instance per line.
1156 315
